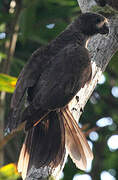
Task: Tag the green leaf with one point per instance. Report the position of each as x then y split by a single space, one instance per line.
2 56
9 172
7 83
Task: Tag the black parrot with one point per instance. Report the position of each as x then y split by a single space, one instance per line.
48 82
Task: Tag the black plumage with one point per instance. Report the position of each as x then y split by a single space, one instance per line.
51 78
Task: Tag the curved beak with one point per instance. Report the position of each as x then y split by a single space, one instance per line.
104 27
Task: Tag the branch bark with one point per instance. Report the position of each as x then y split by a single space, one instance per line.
86 5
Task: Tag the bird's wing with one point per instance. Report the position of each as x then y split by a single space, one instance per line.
43 148
53 87
59 83
27 78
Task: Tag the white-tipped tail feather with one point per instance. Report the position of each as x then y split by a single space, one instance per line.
23 161
76 142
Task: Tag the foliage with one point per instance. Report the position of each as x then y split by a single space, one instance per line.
106 11
7 83
9 172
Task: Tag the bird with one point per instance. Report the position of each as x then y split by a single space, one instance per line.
48 82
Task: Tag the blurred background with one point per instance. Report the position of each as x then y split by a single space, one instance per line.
25 26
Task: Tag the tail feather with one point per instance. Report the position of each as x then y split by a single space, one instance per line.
76 142
74 146
21 158
86 147
46 143
24 155
44 146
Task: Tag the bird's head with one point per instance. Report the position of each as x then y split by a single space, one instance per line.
92 23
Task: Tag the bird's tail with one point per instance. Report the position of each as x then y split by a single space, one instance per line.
44 146
43 149
76 143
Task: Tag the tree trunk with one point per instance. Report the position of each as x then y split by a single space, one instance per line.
1 125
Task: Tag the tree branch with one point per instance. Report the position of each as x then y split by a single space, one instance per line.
85 5
10 46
